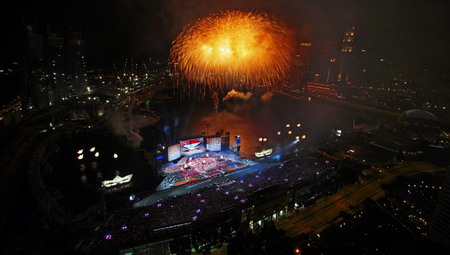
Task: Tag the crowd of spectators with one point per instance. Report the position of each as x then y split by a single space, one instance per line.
130 227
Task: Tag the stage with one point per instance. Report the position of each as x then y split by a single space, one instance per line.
201 167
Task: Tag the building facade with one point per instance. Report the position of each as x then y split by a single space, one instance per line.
54 65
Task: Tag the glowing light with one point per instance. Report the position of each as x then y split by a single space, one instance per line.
92 149
299 125
80 151
260 139
233 47
279 133
288 125
80 157
303 137
265 139
289 132
297 138
97 154
115 155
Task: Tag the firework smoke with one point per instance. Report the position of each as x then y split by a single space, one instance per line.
236 94
267 96
233 48
130 126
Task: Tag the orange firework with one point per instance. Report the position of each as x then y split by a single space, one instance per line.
233 48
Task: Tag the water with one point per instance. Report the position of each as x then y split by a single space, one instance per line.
254 119
76 182
77 187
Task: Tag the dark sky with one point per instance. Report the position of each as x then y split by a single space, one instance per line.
416 30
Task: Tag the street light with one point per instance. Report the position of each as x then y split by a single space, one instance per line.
289 132
260 139
279 133
303 137
298 125
265 139
288 125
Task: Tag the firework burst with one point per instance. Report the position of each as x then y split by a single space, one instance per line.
233 48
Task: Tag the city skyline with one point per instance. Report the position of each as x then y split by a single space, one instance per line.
225 127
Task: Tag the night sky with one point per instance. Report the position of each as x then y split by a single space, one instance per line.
406 31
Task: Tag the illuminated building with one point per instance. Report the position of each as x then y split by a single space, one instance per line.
325 69
75 62
303 62
347 58
54 62
35 92
54 65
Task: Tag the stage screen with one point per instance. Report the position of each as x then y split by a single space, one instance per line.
214 143
174 152
192 146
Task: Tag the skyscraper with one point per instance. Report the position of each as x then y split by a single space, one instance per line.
35 93
347 57
303 56
303 63
54 65
75 61
54 60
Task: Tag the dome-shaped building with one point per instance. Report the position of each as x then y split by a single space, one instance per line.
418 118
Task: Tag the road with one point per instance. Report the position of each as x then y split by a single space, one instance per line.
322 214
345 103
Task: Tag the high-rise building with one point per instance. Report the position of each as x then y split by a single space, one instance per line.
324 68
347 57
303 63
54 61
440 223
302 72
54 65
75 62
35 92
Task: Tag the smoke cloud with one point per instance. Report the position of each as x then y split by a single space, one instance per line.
237 94
267 96
130 126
